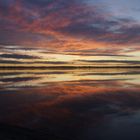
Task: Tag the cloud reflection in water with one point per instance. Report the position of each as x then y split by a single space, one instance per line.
81 103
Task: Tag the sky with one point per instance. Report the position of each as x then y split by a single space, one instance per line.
69 32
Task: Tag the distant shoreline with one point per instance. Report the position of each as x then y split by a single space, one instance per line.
65 67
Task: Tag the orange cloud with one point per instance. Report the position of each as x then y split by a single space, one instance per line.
67 26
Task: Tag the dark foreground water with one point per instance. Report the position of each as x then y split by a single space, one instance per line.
80 104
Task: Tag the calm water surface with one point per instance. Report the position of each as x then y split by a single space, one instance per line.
80 104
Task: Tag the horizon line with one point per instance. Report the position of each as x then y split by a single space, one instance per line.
63 67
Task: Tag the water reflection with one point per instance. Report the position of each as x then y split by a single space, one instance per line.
41 78
82 104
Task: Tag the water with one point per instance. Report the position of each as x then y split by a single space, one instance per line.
76 104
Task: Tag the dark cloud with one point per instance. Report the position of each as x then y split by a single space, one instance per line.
35 21
46 62
10 37
112 61
106 30
18 56
9 62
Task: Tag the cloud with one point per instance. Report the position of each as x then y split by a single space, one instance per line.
111 61
18 56
65 25
9 62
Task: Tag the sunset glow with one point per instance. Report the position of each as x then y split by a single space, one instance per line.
69 33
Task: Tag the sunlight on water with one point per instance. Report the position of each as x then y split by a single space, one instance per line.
36 78
78 103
